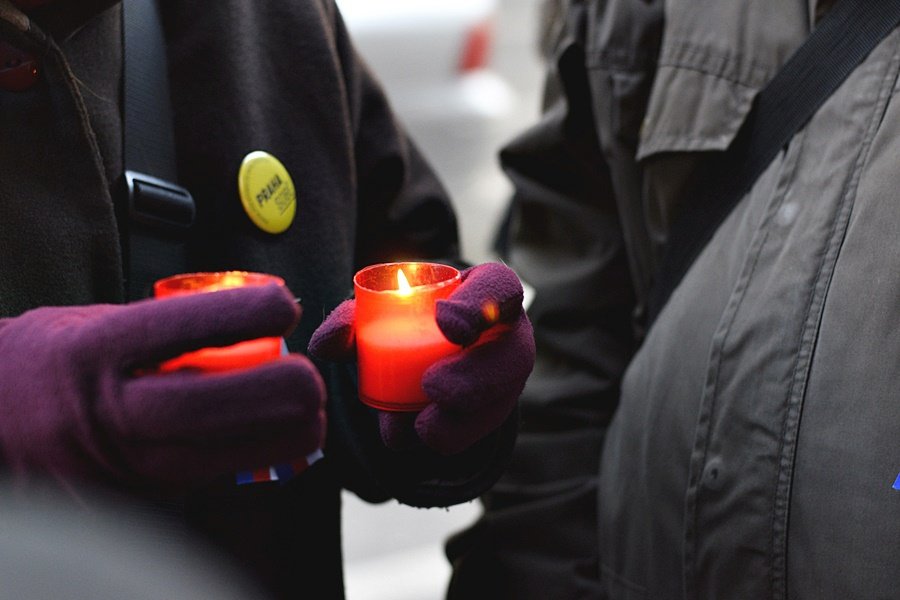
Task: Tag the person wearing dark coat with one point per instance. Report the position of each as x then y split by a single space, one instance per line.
743 444
80 402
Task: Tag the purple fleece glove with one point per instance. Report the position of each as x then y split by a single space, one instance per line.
72 405
473 391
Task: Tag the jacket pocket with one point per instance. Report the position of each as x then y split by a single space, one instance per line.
699 100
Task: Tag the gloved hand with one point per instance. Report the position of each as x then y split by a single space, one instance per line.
473 391
72 405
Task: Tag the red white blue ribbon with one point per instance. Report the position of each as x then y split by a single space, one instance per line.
280 472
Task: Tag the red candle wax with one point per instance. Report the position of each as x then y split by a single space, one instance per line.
237 356
397 337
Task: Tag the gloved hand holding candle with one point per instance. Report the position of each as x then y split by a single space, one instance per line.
79 398
472 376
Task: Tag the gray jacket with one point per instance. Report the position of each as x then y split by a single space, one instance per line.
754 441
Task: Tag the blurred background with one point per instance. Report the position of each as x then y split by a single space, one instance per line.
464 76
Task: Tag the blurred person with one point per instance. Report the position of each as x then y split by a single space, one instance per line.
80 402
550 23
50 548
742 444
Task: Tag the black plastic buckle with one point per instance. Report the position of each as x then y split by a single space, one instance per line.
158 203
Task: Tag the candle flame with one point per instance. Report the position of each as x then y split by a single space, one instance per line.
402 284
232 280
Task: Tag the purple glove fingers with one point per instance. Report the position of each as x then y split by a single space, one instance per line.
182 464
153 330
288 392
474 392
397 429
63 327
70 410
490 293
493 371
335 339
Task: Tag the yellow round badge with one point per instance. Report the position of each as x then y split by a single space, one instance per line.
267 192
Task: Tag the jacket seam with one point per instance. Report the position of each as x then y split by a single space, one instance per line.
810 332
684 54
731 311
708 72
616 579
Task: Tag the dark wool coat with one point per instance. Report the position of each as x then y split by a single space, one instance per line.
263 75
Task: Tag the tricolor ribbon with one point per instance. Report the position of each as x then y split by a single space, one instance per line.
285 471
280 472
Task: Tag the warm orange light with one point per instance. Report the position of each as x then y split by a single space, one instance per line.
243 354
397 336
491 312
193 283
402 284
232 280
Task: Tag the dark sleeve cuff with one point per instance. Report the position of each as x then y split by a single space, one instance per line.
434 480
417 476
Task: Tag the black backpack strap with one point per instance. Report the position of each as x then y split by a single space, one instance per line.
840 42
155 213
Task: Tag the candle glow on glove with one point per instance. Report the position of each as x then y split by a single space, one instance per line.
244 354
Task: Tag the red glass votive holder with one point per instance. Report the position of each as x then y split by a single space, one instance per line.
397 337
237 356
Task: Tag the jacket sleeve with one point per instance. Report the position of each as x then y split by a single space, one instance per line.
565 236
568 234
403 213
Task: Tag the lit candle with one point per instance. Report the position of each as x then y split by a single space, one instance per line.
237 356
397 337
243 354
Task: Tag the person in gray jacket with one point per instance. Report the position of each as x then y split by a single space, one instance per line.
745 445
